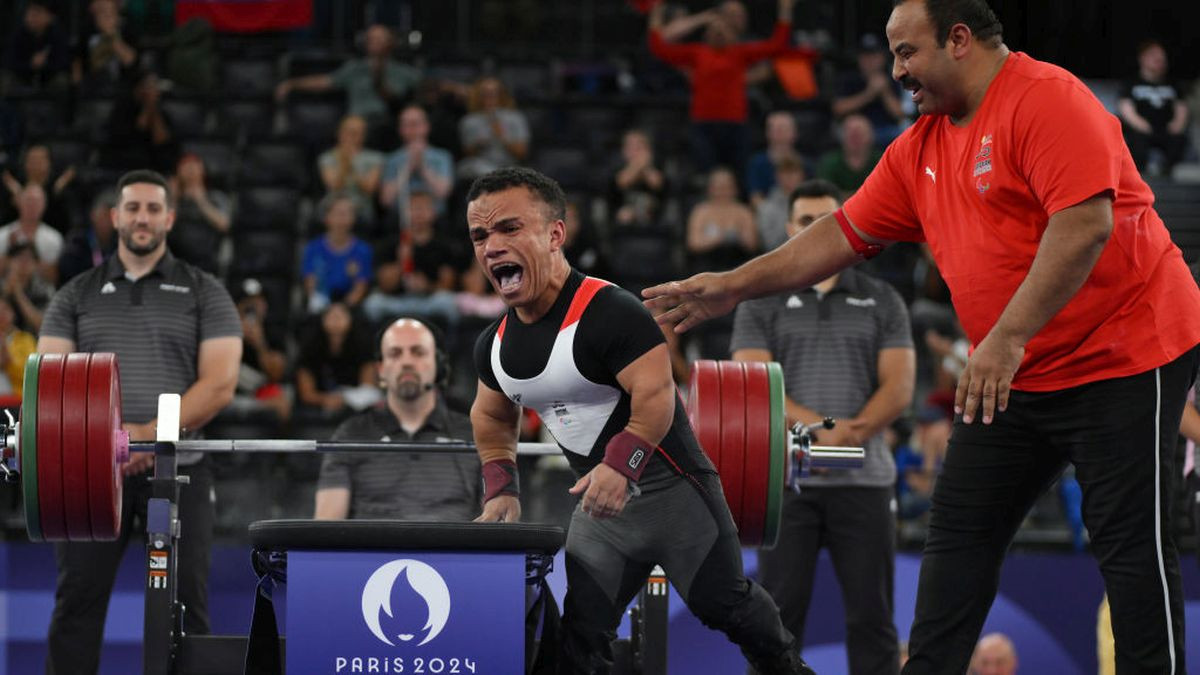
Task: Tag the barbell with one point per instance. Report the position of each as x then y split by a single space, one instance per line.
68 446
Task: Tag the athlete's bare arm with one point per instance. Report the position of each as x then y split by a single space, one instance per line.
495 422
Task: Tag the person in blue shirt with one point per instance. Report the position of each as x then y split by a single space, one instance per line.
337 265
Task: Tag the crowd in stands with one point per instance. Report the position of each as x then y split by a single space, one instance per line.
327 190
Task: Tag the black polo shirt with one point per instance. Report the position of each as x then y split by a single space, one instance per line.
154 325
828 346
406 485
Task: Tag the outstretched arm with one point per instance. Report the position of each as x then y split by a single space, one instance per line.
815 254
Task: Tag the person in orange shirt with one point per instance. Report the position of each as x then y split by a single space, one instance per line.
1083 316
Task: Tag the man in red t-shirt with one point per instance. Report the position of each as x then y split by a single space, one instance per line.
717 71
1084 318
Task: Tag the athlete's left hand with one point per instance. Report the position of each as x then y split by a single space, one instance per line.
986 381
604 491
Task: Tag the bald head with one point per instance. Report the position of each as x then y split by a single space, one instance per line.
408 359
994 655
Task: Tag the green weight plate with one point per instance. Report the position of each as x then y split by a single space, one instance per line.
779 449
29 483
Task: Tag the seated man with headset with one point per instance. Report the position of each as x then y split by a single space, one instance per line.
404 485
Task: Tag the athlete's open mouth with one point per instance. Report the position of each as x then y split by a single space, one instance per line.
508 275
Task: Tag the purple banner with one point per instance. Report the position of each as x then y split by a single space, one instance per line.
400 612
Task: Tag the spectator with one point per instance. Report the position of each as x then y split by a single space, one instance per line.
139 131
416 166
1153 113
781 143
59 189
494 134
721 232
107 53
336 266
415 269
202 216
375 85
15 346
445 104
718 81
36 55
848 166
24 286
264 366
29 228
871 92
90 246
427 486
580 245
352 168
774 211
846 349
918 463
334 372
636 193
478 297
994 655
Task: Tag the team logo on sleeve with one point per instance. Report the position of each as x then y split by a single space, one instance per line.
983 164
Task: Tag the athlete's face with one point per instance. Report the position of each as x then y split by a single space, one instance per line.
516 243
929 72
143 218
408 361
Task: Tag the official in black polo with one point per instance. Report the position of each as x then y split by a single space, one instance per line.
174 329
846 350
443 486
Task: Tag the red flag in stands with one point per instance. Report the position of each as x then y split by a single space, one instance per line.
247 16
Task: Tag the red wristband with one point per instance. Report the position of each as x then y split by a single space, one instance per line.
629 454
500 478
864 250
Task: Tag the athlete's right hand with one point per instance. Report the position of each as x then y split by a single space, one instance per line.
501 509
687 303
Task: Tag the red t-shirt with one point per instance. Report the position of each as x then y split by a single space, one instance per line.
719 75
982 195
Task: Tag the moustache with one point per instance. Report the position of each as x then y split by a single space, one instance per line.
909 82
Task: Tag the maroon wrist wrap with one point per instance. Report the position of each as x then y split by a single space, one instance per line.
500 478
628 454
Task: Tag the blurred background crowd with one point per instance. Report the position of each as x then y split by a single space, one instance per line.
319 166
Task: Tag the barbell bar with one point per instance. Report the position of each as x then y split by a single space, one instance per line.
68 446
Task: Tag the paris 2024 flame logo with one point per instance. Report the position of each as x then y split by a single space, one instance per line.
399 595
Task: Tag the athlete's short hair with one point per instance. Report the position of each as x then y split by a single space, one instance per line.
545 188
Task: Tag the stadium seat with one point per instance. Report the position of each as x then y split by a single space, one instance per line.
252 118
276 163
269 209
188 117
220 160
250 77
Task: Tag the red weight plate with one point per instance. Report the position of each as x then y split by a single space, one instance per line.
704 408
758 452
103 422
51 500
733 436
74 448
